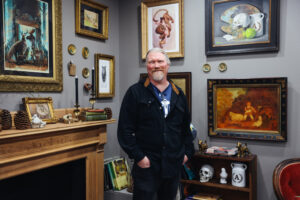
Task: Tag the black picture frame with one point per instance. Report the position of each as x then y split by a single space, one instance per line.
230 19
229 101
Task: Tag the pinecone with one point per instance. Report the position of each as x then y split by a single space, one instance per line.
108 112
21 120
6 119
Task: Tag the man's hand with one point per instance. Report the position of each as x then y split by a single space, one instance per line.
144 163
185 159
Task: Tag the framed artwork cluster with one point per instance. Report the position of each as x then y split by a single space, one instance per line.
31 43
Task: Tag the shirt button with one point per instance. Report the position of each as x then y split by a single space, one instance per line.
164 147
160 108
164 134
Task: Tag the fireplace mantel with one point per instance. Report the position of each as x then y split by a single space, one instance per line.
23 151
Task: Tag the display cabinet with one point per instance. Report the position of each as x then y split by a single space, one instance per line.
226 191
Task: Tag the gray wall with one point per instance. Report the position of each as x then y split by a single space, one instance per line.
284 63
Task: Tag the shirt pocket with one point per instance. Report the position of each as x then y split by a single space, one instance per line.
146 109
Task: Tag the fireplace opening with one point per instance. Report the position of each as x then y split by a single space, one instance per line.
62 182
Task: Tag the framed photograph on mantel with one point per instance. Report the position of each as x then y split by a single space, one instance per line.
254 109
31 43
105 75
162 26
42 107
241 26
91 19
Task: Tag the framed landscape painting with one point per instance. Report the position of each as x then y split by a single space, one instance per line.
31 41
241 26
91 19
162 26
248 108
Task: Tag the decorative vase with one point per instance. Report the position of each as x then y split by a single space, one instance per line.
238 174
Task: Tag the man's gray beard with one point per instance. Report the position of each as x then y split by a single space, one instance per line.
158 76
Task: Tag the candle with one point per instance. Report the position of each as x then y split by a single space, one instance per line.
93 80
76 90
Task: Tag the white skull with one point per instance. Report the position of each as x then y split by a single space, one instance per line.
241 20
206 173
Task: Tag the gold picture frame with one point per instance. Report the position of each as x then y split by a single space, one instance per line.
104 76
43 107
162 26
91 19
45 72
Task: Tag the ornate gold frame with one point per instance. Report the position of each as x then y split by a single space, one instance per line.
111 60
144 26
98 7
28 100
13 83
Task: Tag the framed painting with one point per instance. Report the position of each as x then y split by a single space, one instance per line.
31 43
241 26
254 109
182 80
162 26
105 75
91 19
42 107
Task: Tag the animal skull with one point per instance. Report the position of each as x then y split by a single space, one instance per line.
241 20
206 173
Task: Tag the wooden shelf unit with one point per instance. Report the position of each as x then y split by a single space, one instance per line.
227 191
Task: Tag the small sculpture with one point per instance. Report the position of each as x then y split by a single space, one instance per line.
202 146
68 119
36 122
242 150
223 176
206 173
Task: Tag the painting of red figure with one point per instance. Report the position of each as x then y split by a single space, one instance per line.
248 108
163 28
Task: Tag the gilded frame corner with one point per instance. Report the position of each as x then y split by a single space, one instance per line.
54 83
95 8
104 88
176 52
